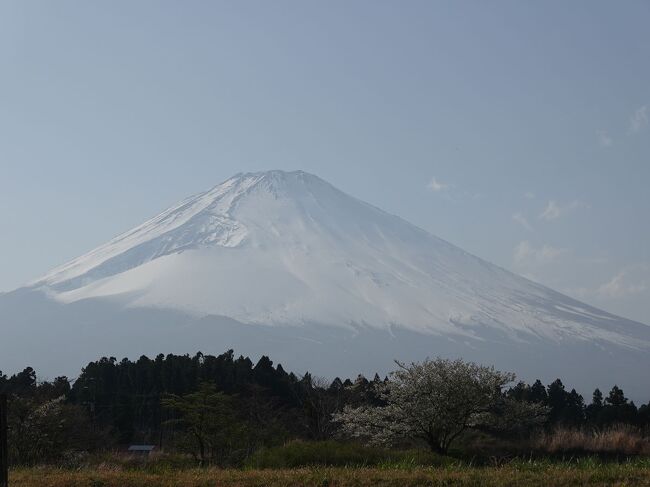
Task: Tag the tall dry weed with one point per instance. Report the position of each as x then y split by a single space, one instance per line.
617 439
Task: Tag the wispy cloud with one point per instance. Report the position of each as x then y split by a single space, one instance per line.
626 283
604 139
553 210
529 195
451 192
620 286
435 185
523 221
527 255
639 119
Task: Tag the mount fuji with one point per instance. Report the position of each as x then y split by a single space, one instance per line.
286 265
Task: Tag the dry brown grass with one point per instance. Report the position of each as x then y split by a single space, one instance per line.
621 439
528 474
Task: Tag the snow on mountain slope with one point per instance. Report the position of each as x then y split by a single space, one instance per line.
278 248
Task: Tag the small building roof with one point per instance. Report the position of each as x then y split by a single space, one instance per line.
141 447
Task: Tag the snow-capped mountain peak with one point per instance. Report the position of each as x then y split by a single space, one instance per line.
288 248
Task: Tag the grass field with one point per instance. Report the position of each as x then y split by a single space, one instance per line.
333 463
584 472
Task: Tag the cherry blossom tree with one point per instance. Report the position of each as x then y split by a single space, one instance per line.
435 401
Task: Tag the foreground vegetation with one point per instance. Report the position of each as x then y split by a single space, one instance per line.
331 463
587 472
226 421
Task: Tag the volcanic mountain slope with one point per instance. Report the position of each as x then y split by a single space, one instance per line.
283 263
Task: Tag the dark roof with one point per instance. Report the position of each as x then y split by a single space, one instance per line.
141 447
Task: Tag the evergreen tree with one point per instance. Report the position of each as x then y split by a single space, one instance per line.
618 409
593 412
616 397
567 408
538 393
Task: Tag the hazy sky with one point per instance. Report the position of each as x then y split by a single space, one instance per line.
516 130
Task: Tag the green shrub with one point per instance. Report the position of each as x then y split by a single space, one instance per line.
333 453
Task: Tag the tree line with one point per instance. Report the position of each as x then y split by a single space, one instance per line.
222 408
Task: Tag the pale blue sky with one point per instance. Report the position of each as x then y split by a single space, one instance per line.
530 118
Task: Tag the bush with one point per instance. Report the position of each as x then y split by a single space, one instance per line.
338 454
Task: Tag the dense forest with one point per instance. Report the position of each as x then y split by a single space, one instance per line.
171 401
